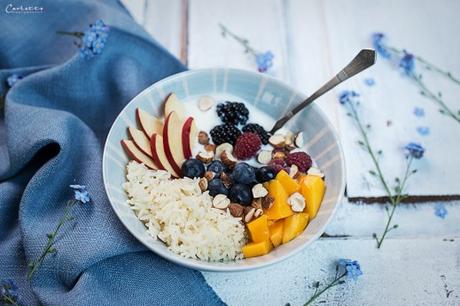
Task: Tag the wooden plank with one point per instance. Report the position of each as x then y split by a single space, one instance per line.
404 272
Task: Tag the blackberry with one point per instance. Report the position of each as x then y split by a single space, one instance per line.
259 130
225 133
232 113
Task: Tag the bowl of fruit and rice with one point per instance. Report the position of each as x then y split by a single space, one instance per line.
192 172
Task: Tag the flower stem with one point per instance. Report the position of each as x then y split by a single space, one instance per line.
48 249
244 42
335 282
76 34
9 300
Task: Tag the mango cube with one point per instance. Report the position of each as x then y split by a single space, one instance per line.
280 208
289 184
312 188
258 229
254 249
276 232
294 226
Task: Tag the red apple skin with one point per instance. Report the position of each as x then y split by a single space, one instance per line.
166 145
155 157
130 133
155 143
186 140
136 156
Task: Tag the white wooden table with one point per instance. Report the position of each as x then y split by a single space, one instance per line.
419 263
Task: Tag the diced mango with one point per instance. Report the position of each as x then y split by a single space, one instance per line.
289 184
294 226
254 249
270 223
276 232
258 229
312 188
280 208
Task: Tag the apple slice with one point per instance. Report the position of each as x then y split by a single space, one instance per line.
172 141
172 104
150 124
189 136
137 154
159 155
140 140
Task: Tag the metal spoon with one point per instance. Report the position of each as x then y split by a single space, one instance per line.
362 61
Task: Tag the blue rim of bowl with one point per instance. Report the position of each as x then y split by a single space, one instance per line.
201 265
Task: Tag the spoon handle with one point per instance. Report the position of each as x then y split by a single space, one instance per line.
362 61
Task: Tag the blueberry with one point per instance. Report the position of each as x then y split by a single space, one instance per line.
192 168
243 173
216 186
240 193
265 174
217 167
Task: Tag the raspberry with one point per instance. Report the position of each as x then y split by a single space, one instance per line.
256 128
278 165
301 159
247 145
232 113
225 133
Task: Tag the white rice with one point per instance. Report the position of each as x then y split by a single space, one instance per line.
180 215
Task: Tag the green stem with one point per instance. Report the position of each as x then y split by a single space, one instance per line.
76 34
9 300
241 40
335 282
51 240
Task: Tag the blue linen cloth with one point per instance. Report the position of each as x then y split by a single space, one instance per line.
52 129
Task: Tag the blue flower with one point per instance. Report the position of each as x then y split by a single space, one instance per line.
80 193
407 63
415 150
264 61
12 79
369 82
351 267
419 112
423 130
8 288
94 39
440 211
347 96
379 46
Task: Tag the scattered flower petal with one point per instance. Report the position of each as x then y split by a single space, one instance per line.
379 46
440 211
351 267
264 61
423 130
407 63
347 95
369 82
80 193
415 150
419 111
13 79
94 39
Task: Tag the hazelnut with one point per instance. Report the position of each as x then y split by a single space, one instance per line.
203 184
226 179
223 147
203 138
267 202
289 139
221 201
277 141
205 103
279 154
293 171
297 202
257 203
258 213
259 191
298 140
249 215
210 147
205 156
209 175
228 159
236 210
264 157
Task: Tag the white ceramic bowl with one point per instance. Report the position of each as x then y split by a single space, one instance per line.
265 93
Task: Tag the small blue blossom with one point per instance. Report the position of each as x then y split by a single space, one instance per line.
94 39
440 211
347 96
369 82
415 150
264 61
8 291
379 46
423 130
80 193
407 63
351 267
12 79
419 112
